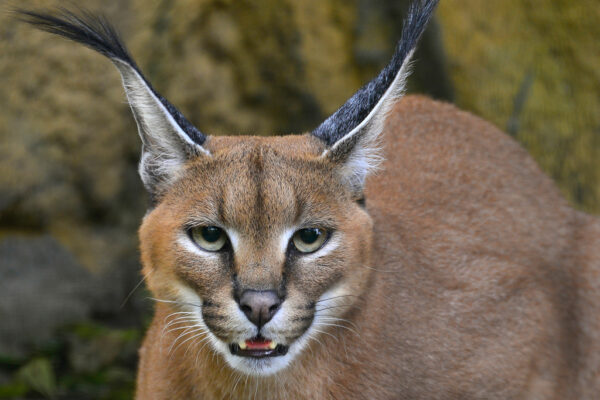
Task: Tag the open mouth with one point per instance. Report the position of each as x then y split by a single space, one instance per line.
258 347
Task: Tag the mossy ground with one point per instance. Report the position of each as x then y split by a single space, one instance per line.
86 361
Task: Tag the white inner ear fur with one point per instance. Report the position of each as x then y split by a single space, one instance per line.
365 157
165 144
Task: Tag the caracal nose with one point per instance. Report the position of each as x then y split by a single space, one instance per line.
259 305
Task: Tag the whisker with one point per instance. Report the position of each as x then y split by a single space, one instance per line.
175 327
213 354
336 297
188 317
338 326
175 313
379 270
345 348
203 346
186 327
311 351
181 303
192 321
199 334
325 333
173 317
312 337
188 330
179 328
190 338
132 291
182 314
179 312
255 388
192 331
239 378
164 329
330 307
206 341
183 317
327 317
222 367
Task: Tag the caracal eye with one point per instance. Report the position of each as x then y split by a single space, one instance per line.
309 240
209 238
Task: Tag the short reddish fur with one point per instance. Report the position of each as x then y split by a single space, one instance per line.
483 281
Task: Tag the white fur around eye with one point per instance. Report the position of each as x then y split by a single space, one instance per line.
285 238
234 239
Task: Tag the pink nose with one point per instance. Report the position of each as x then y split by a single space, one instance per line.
259 306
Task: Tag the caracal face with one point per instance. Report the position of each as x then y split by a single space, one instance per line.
260 192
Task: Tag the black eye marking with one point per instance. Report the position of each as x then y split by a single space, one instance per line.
215 316
362 202
303 319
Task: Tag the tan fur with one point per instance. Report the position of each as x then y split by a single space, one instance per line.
467 276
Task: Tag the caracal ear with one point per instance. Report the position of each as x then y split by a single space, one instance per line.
168 138
352 132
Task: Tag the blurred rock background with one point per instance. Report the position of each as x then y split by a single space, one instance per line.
70 198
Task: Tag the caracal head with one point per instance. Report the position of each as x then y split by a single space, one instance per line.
261 193
258 245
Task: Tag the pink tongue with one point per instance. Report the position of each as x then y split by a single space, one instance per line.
258 344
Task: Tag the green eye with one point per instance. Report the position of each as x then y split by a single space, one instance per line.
209 238
309 240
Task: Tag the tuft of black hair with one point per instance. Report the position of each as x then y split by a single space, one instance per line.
95 32
358 107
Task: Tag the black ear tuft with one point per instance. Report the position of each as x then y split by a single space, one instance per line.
95 32
357 109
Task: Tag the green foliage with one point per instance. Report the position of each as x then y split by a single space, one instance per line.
91 362
38 375
13 389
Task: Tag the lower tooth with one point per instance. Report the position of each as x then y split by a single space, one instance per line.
242 345
272 345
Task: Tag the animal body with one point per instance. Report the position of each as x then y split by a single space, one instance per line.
282 269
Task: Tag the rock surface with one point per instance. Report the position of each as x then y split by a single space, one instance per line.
43 288
533 69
